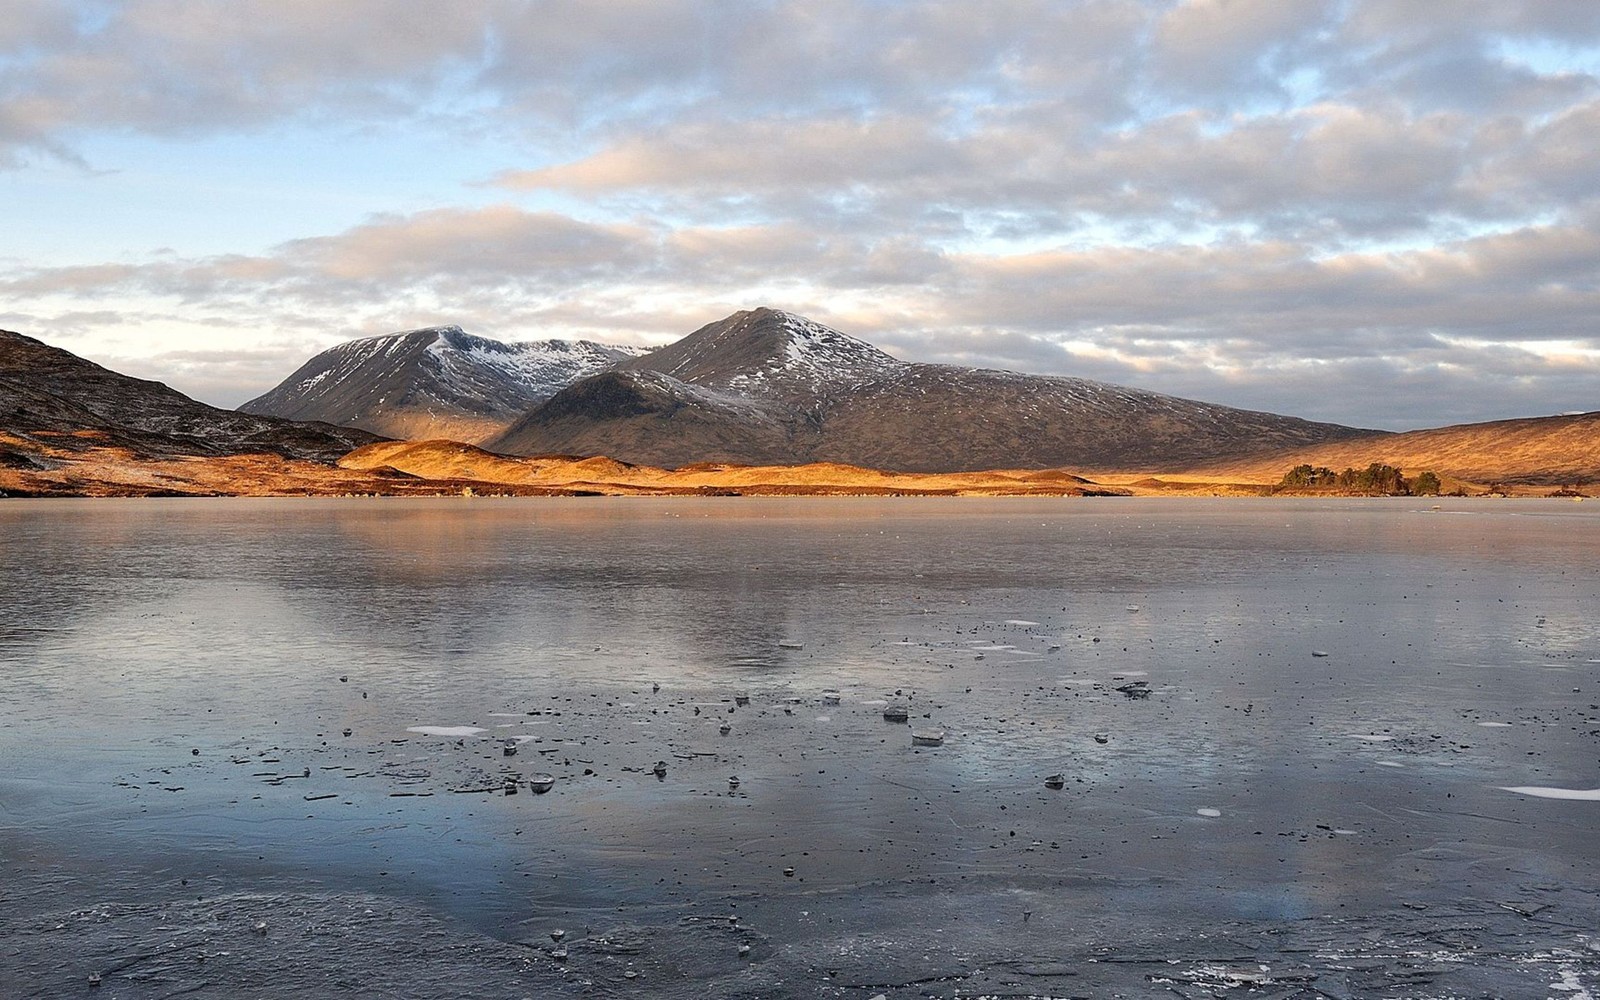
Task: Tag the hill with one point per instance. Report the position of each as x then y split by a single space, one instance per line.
768 387
1538 451
47 394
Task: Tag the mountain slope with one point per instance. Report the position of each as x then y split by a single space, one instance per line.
1548 451
765 387
48 393
433 382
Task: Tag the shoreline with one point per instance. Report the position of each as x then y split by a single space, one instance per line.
478 490
437 468
444 469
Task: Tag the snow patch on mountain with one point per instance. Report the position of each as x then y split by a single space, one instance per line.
461 361
543 366
435 380
820 356
771 353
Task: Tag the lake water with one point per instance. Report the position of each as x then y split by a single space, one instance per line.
259 745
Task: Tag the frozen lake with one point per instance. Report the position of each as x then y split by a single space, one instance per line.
1308 748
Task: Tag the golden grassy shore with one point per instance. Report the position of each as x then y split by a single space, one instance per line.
82 464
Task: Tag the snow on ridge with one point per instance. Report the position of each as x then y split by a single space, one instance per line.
547 364
437 331
446 363
818 355
385 343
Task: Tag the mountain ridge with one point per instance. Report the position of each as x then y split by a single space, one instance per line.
50 393
436 381
1551 450
765 386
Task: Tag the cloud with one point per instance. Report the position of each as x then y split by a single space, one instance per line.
543 70
1225 47
1311 120
448 251
450 248
1331 172
172 68
1247 320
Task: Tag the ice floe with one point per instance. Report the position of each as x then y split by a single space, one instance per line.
455 731
1543 792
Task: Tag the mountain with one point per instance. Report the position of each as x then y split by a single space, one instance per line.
1547 451
436 382
50 397
768 387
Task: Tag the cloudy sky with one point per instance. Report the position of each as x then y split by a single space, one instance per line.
1378 212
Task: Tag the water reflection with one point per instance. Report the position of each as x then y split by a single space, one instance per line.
136 633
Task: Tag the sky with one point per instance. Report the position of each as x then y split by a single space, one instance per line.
1383 213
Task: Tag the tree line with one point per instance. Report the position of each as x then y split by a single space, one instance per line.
1376 479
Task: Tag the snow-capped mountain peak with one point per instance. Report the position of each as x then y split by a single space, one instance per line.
821 352
761 348
433 381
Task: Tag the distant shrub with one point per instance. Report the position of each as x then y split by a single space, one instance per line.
1306 477
1376 479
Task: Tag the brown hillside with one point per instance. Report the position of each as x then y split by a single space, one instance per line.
1544 451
